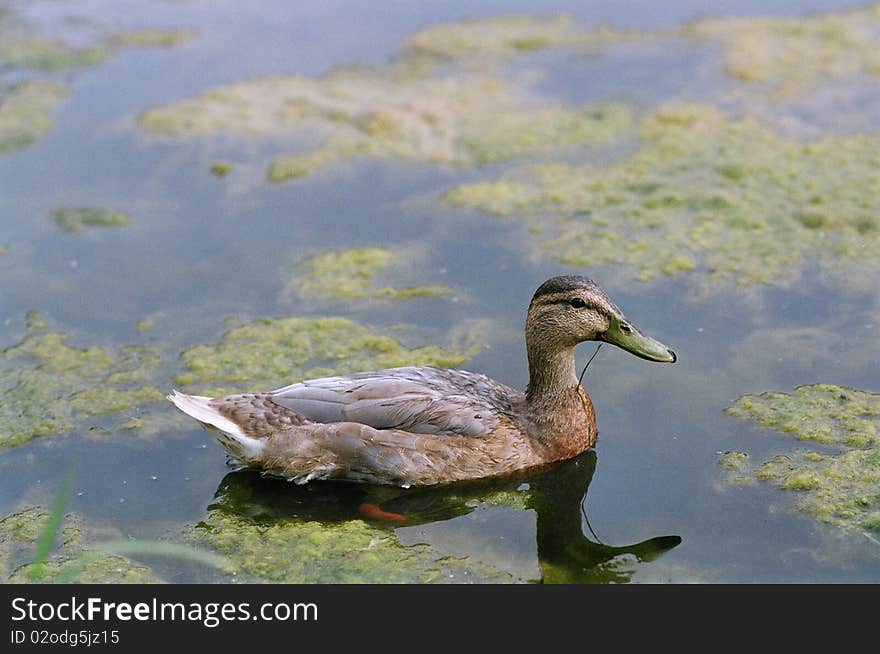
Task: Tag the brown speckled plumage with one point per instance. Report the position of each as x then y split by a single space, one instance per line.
421 425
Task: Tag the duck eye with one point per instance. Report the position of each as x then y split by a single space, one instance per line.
624 327
577 303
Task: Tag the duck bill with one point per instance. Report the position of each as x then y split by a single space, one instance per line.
634 342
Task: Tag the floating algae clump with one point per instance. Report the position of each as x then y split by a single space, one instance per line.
221 169
705 195
49 56
786 54
502 37
349 275
48 387
737 466
152 38
459 119
19 533
840 486
275 531
26 113
281 350
302 551
52 56
793 53
543 130
821 413
74 219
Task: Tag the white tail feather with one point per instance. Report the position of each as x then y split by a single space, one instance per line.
232 438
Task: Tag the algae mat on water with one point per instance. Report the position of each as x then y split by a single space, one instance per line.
76 219
705 195
496 39
46 55
29 57
793 54
279 351
784 54
275 531
71 561
303 551
838 484
49 387
350 275
26 112
457 119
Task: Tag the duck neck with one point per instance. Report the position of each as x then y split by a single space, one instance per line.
552 381
560 412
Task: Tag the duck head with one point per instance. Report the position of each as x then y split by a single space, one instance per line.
570 309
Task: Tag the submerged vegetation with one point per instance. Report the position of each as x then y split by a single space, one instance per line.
279 351
49 387
350 275
793 54
784 54
75 219
26 111
49 56
458 119
29 59
152 38
493 40
728 189
722 198
302 551
838 484
74 559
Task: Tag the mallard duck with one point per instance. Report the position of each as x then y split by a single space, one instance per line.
419 425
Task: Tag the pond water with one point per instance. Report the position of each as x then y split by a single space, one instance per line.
102 315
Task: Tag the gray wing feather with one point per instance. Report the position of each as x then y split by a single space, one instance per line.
418 399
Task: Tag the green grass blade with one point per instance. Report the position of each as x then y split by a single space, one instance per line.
50 529
161 548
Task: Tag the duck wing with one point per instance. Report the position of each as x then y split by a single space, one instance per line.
416 399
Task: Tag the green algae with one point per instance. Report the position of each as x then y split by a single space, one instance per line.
49 56
152 38
221 169
50 387
350 275
275 351
75 219
791 54
301 165
840 486
457 119
733 460
304 551
705 196
820 413
26 111
22 48
494 39
72 560
26 107
783 54
736 464
545 130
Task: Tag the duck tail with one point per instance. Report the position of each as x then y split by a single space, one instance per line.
241 446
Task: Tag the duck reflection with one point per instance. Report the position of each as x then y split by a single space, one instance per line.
556 494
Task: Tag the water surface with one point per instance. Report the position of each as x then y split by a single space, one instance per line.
200 250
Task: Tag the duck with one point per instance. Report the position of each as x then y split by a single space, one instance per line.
423 426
